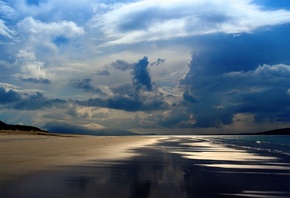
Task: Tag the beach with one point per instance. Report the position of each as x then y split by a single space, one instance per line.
22 153
143 166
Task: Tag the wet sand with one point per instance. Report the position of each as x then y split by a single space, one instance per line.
164 166
22 153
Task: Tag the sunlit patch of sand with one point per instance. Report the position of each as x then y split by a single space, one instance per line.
224 155
219 156
248 166
21 154
258 194
208 151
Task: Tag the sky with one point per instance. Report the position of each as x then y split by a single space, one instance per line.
147 66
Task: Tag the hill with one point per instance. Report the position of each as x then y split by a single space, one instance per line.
60 128
11 127
69 128
284 131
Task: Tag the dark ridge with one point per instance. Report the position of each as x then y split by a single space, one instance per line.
68 128
4 126
284 131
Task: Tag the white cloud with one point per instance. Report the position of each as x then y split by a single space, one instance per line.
6 11
153 20
30 66
269 72
8 86
62 28
47 39
5 31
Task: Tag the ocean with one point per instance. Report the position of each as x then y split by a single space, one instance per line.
268 143
174 167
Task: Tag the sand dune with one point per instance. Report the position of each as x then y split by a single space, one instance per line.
22 154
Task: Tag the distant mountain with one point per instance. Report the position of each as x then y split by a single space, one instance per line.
284 131
67 128
4 126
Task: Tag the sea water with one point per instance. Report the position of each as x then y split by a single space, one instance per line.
279 144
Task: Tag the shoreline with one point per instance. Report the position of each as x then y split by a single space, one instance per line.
142 166
22 153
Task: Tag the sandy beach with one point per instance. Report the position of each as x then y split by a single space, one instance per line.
141 166
22 153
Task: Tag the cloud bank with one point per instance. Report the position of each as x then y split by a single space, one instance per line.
124 64
154 20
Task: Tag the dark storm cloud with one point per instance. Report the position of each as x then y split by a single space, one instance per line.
37 101
267 101
124 89
37 80
121 102
189 97
121 65
175 118
141 95
8 96
158 62
142 101
247 73
125 66
263 92
125 102
103 73
224 53
141 76
85 84
14 100
221 53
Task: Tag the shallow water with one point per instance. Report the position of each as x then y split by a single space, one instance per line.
176 166
268 143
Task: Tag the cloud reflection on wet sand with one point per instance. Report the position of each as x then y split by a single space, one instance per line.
237 158
175 166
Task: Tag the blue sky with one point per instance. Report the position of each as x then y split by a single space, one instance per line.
176 66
